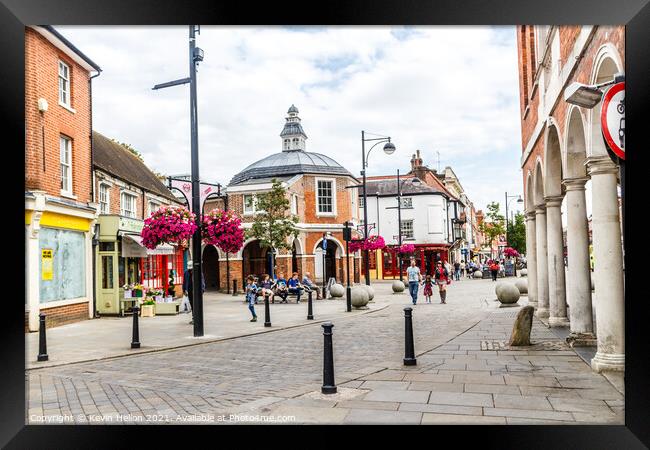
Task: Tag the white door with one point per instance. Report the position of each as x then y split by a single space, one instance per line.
318 264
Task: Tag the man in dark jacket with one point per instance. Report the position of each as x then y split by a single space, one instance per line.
188 287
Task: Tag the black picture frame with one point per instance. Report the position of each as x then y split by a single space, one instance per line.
635 14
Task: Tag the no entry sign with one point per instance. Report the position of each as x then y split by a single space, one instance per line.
612 119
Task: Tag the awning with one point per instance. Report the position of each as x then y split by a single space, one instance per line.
132 247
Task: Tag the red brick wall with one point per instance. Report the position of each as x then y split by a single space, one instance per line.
62 315
41 80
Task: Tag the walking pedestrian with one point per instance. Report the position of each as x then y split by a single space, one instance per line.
414 278
457 271
494 269
251 296
428 288
188 287
462 268
442 280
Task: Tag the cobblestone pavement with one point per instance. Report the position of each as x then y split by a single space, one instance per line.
277 375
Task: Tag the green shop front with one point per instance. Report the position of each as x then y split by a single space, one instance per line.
122 260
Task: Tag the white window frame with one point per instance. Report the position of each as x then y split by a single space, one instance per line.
294 204
253 207
124 194
412 227
108 198
66 188
407 202
64 84
154 202
333 212
361 204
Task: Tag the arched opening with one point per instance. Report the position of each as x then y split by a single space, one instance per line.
296 257
605 72
211 268
538 185
255 260
553 164
327 259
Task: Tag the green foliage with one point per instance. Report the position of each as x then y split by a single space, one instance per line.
495 226
273 225
130 148
517 233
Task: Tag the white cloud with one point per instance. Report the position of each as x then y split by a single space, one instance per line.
450 89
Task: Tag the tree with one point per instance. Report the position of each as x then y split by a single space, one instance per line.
130 148
517 233
273 225
495 226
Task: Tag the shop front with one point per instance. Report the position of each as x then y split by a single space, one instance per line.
384 264
123 261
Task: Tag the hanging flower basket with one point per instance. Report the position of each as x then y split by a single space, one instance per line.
168 225
223 230
510 252
406 249
372 243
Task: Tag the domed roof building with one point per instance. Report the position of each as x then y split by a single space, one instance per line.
317 187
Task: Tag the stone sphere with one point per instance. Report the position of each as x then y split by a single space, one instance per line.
523 272
522 285
508 294
371 291
478 274
359 297
398 286
498 287
337 290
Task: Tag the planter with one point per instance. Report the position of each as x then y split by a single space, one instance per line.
148 310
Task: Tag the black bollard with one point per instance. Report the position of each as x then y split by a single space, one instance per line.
310 312
135 341
348 295
234 288
328 360
42 340
409 353
267 311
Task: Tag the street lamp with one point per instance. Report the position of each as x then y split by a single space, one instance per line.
415 182
519 200
389 149
196 56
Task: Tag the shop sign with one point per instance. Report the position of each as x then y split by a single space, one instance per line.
47 257
133 225
612 119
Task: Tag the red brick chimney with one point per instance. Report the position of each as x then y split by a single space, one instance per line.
417 168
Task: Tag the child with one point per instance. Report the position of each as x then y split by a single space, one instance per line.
281 287
442 280
251 295
266 287
428 288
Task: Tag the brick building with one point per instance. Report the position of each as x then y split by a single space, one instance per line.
316 187
562 148
127 192
59 211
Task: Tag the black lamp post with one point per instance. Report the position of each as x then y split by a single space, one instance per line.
196 56
389 149
519 200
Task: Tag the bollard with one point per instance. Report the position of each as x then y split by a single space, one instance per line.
349 298
267 311
135 341
310 312
234 288
409 351
328 361
42 340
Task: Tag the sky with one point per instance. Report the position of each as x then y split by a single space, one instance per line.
447 89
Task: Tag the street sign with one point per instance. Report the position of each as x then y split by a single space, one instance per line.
612 119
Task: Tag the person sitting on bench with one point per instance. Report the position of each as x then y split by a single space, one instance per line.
266 287
280 286
309 285
294 286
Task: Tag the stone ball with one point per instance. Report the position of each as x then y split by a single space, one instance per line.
498 287
508 294
522 285
478 274
359 297
398 286
523 272
337 290
371 291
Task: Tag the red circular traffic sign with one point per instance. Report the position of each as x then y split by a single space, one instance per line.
612 119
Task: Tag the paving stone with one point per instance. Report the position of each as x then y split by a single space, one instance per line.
527 413
579 405
434 377
397 396
456 419
526 380
478 378
442 409
543 391
391 385
492 389
436 387
386 375
461 398
373 416
521 402
302 401
524 421
362 404
600 417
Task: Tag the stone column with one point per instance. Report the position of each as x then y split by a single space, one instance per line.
555 252
531 258
608 266
579 273
542 262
